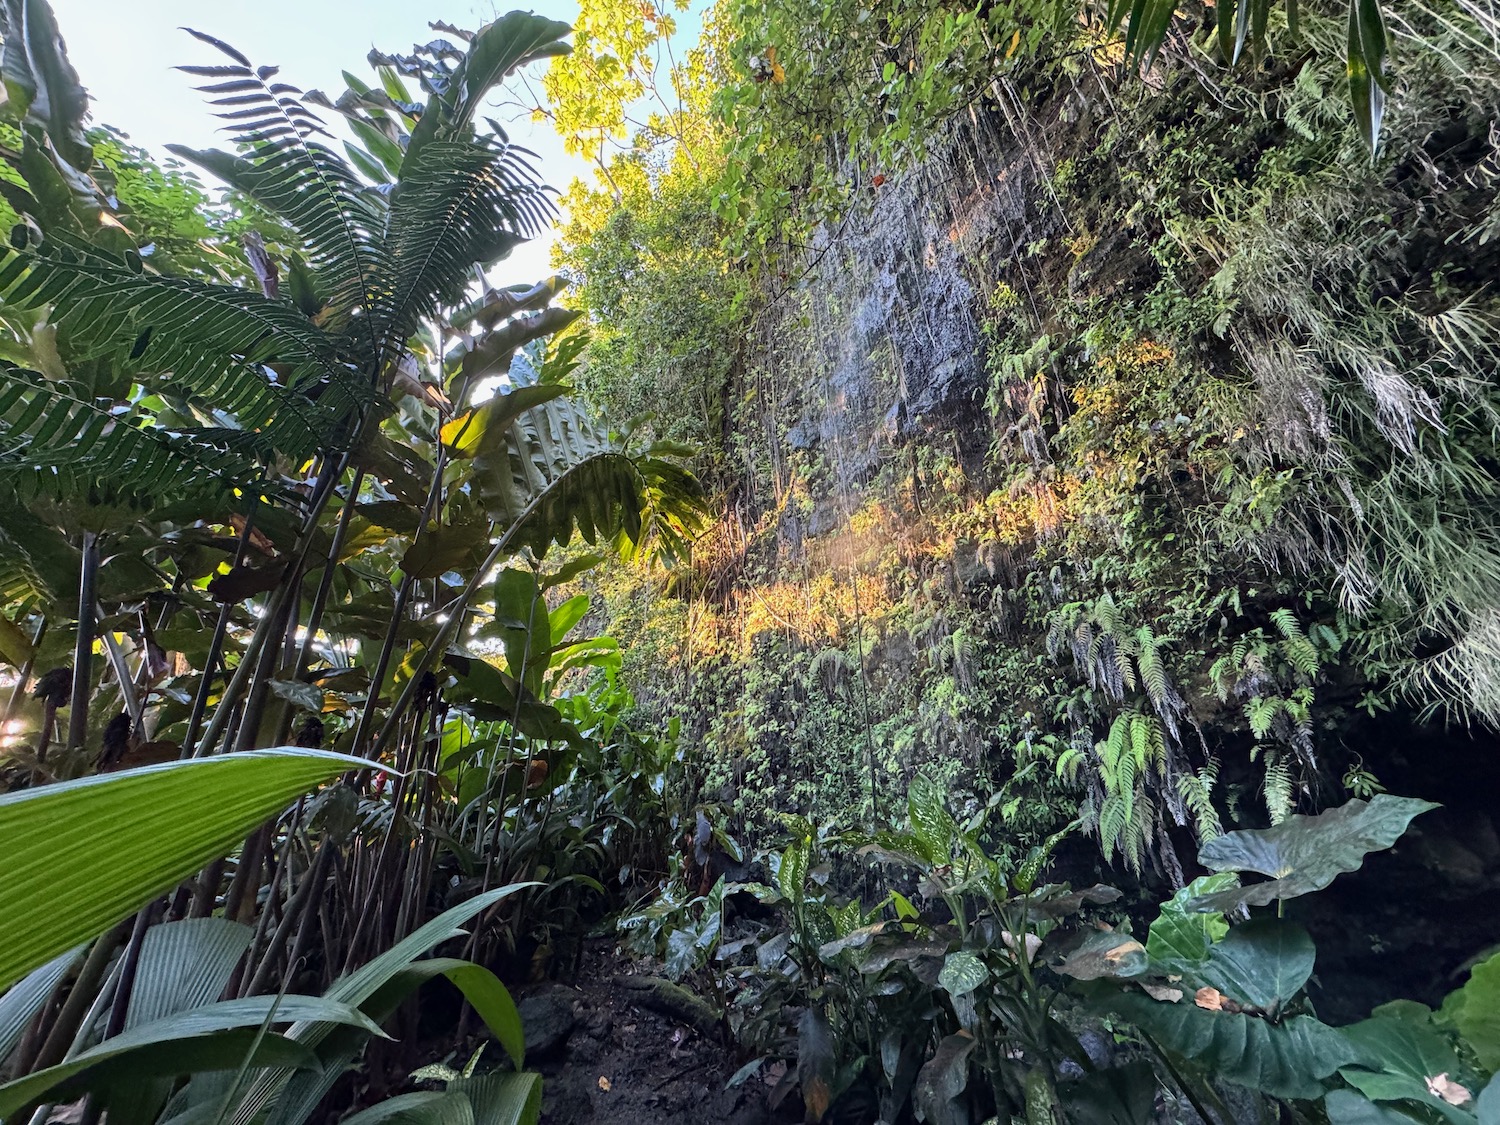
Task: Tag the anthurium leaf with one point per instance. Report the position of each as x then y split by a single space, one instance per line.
81 855
962 973
186 1042
942 1080
1263 963
1180 936
1303 854
23 1001
1286 1060
1474 1010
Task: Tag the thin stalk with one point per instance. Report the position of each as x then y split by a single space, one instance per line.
82 995
83 647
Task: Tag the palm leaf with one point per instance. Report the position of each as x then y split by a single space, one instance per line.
459 204
208 342
295 177
55 444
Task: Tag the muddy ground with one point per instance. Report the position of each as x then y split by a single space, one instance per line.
607 1059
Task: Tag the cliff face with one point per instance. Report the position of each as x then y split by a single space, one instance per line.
1129 458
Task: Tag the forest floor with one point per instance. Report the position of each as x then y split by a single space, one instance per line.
607 1059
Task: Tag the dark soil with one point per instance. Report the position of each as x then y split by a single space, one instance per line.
620 1063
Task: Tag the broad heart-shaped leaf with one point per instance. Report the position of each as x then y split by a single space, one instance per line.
166 1046
1264 963
25 1000
962 973
81 855
1474 1010
1395 1058
1303 854
1286 1060
1345 1107
1180 937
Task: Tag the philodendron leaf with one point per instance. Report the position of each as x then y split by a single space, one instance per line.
1303 854
1286 1060
1345 1107
962 973
1263 963
81 855
1487 1105
1474 1010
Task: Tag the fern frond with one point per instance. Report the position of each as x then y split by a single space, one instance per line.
1279 786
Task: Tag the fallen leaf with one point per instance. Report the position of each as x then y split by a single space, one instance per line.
1162 992
604 1083
1210 998
1450 1091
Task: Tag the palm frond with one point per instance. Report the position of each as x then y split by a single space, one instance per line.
54 444
459 204
297 178
209 343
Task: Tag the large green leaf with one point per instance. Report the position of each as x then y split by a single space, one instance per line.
1181 937
184 965
428 1107
184 1043
1396 1058
1345 1107
81 855
931 822
1286 1060
1303 854
1474 1010
377 988
1487 1105
1264 963
503 1099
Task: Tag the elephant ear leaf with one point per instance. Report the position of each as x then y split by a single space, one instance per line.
1263 963
1303 854
1474 1010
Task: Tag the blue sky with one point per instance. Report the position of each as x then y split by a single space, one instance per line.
125 54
